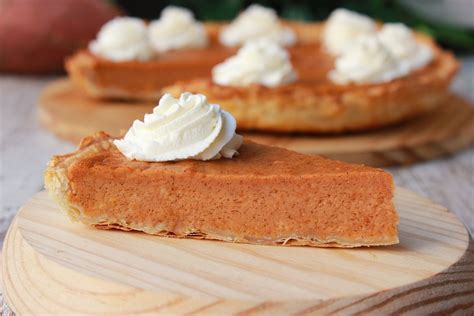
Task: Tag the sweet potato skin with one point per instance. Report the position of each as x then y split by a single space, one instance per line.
36 35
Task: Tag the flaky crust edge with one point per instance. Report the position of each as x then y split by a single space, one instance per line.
58 186
56 181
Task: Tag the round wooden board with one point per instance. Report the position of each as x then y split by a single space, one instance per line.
69 114
53 266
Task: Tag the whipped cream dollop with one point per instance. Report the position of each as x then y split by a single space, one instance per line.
176 29
343 27
401 42
262 61
121 39
366 60
254 23
184 128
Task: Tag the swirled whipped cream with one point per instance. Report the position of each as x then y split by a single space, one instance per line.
343 27
121 39
366 60
176 29
401 42
262 61
184 128
254 23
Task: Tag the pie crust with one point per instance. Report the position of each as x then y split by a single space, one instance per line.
313 104
266 195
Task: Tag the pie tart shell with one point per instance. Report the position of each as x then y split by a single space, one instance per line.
267 195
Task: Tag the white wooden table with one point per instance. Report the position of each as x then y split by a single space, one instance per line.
25 149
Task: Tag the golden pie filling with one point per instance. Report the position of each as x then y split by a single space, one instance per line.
265 195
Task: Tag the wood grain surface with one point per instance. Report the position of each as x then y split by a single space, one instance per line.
54 266
69 114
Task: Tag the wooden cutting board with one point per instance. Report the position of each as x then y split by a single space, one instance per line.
53 266
71 115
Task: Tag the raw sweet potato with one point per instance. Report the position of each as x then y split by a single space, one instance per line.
36 35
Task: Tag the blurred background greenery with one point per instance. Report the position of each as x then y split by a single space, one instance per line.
459 38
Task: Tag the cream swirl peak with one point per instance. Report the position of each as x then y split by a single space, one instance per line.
343 27
380 56
184 128
262 61
121 39
401 42
254 23
176 29
366 60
